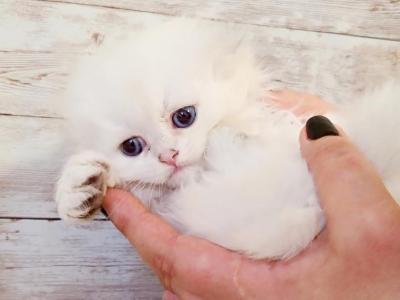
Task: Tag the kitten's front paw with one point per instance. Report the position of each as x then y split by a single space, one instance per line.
82 186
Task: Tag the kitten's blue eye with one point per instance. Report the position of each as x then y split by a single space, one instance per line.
133 146
184 117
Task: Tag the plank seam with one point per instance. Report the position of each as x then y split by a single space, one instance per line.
223 21
27 51
75 265
29 116
13 218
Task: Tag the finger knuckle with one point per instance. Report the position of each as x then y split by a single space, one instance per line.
165 270
379 232
336 153
202 269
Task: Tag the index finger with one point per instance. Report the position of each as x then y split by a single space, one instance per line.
349 187
152 237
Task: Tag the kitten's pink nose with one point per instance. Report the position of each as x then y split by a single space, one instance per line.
169 157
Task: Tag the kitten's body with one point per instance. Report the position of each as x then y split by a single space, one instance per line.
242 182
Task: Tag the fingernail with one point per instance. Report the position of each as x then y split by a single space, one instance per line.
104 212
320 126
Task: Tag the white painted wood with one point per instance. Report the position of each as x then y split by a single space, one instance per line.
30 82
51 260
35 54
371 18
31 154
29 25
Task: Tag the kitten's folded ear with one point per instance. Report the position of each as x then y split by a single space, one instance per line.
240 61
240 74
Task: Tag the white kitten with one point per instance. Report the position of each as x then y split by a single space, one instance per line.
175 115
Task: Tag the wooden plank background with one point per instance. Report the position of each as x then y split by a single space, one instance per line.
333 48
378 19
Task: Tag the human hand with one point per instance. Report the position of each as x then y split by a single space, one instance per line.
357 256
302 105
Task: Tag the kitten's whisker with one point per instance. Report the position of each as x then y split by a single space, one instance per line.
138 187
151 191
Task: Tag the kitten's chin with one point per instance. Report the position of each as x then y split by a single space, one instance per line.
183 176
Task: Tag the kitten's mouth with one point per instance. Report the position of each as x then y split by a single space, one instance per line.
176 170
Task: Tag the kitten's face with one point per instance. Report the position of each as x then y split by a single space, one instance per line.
150 108
161 138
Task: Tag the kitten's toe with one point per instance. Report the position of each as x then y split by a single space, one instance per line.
82 186
82 203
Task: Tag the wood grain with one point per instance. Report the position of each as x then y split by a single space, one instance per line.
31 82
34 64
31 154
51 260
369 18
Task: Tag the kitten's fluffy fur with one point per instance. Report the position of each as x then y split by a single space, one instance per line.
243 184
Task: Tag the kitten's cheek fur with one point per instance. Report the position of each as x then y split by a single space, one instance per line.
82 186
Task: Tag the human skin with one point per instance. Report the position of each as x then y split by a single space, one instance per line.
301 104
356 256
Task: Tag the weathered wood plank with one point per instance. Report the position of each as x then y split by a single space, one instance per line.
52 260
31 154
50 36
370 18
28 25
30 82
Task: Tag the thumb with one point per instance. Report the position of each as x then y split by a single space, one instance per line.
152 236
167 295
348 186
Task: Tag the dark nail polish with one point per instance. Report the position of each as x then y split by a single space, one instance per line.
320 126
104 212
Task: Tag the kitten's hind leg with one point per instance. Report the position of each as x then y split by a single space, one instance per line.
82 186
